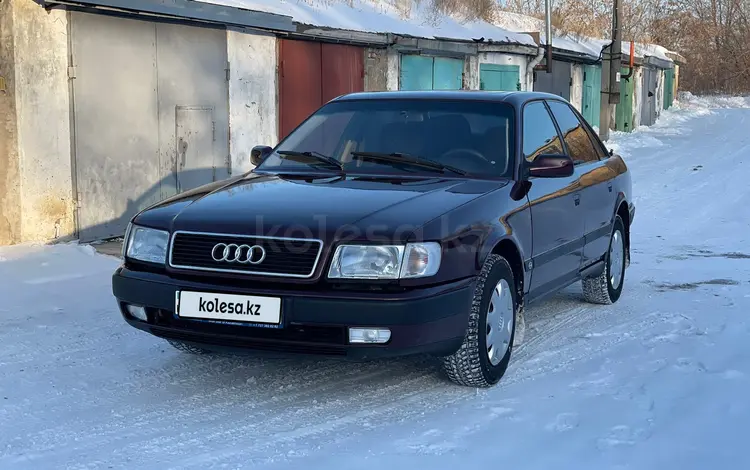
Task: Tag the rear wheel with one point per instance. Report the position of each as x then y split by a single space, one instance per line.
187 347
606 288
483 358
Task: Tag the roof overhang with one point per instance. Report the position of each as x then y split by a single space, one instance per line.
678 58
500 48
326 34
565 55
186 10
657 62
455 47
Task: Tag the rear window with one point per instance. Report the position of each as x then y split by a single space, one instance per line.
476 137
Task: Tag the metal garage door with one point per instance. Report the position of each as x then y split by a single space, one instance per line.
648 97
624 109
342 69
668 88
430 73
494 77
313 73
300 88
592 96
558 82
150 115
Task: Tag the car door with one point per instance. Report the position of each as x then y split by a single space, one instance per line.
595 179
557 235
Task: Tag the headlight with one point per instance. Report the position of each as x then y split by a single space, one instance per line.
147 244
385 261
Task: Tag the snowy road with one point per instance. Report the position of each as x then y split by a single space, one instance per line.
659 380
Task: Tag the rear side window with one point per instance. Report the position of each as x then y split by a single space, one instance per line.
580 146
539 132
601 151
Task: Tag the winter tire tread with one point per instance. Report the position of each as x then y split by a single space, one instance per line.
598 290
464 367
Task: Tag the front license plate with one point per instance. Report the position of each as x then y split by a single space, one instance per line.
243 308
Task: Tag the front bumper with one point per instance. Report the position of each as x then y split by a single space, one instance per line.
431 320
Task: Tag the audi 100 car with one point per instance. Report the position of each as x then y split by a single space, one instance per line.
388 224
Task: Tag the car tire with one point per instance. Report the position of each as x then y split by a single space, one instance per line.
474 364
187 347
605 288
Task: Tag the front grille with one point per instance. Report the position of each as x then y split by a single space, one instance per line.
285 257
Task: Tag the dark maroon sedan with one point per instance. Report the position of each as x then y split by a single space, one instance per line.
388 224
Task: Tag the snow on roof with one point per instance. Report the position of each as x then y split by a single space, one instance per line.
380 16
653 50
572 42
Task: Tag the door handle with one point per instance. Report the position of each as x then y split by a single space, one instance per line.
609 186
577 199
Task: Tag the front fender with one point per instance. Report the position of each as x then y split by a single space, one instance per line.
501 240
471 232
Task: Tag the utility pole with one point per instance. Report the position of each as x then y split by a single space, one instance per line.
611 64
548 32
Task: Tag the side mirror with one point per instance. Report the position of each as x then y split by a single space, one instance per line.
551 166
259 153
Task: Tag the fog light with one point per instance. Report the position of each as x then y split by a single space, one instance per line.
138 312
369 335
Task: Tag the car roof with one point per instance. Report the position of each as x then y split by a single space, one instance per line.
512 97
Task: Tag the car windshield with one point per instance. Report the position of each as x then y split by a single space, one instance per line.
401 136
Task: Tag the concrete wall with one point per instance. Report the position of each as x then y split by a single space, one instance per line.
576 90
10 191
46 204
471 73
376 69
253 95
498 58
394 70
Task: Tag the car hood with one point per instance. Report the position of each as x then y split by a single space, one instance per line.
307 207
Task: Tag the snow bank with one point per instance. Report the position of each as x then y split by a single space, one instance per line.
380 16
675 121
713 101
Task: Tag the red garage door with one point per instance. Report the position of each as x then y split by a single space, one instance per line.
313 73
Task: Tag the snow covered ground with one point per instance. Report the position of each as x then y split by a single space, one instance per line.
660 380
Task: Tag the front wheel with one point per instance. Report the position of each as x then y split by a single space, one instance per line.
483 358
606 288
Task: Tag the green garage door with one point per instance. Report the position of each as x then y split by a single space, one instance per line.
493 77
624 110
668 88
430 73
592 94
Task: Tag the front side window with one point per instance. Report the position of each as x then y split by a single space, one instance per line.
539 132
473 137
578 141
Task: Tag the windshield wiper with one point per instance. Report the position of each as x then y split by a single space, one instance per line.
316 156
398 157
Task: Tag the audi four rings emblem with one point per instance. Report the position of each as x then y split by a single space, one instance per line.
242 254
